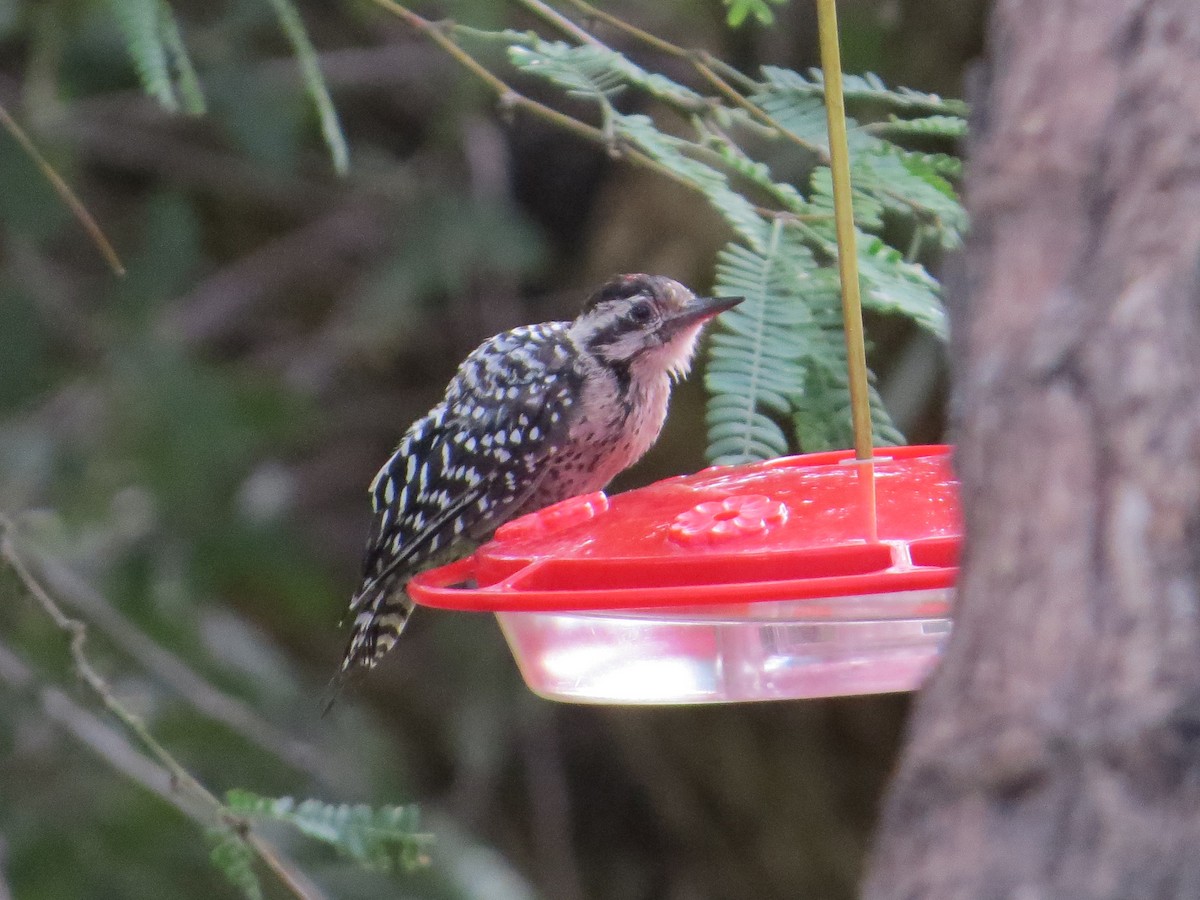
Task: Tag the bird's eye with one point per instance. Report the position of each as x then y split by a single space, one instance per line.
641 313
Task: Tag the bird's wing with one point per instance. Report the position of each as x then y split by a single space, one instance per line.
463 469
458 470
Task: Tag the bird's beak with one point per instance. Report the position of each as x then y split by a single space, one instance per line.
699 309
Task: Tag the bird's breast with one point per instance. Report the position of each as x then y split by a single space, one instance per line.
612 431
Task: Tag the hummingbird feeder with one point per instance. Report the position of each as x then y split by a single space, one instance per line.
807 576
821 575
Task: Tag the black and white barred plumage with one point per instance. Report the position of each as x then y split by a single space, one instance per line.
533 416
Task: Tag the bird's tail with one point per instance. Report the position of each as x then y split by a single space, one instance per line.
381 610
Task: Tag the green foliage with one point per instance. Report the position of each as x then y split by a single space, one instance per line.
866 88
592 72
314 82
235 860
147 26
187 81
935 126
757 362
672 152
776 373
740 10
383 839
155 45
780 356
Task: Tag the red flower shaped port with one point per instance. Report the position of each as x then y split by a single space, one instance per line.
555 517
717 521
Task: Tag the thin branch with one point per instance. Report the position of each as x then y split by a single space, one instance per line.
172 670
652 40
77 632
705 64
512 99
758 112
111 746
561 22
92 732
289 877
85 219
180 778
687 105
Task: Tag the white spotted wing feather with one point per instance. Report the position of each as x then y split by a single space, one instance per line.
465 468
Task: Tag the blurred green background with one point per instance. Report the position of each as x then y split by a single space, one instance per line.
188 449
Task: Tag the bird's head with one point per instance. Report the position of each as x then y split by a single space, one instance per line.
646 323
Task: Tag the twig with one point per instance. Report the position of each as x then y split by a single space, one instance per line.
705 64
77 632
181 779
562 22
512 99
652 40
92 732
689 106
230 711
290 878
90 225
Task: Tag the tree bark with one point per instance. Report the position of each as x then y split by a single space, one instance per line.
1056 752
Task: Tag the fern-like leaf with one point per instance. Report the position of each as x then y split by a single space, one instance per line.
823 416
892 285
800 112
381 838
940 126
738 211
758 174
597 72
778 359
188 81
907 184
142 24
587 71
863 88
942 165
235 860
314 82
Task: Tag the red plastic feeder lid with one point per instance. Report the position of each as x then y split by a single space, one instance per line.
794 528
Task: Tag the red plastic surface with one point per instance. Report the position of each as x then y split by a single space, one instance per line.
794 528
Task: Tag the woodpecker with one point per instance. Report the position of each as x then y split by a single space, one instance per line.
533 416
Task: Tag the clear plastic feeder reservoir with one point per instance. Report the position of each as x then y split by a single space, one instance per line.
809 576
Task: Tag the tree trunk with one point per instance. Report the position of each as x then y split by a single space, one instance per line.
1056 752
